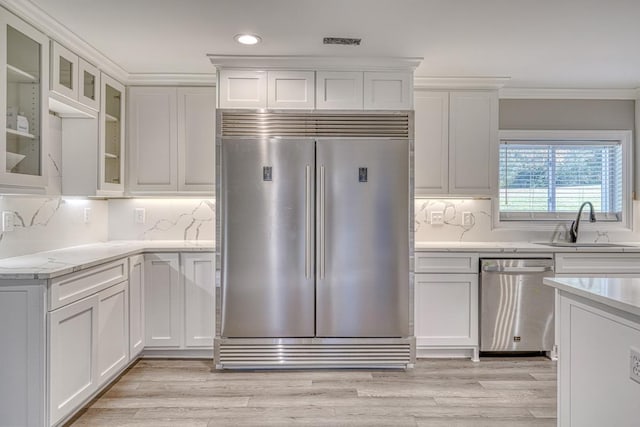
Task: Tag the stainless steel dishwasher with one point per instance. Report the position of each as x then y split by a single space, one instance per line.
516 308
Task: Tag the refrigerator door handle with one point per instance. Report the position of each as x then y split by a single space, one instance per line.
321 225
308 221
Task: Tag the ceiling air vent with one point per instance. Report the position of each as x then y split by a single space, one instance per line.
342 41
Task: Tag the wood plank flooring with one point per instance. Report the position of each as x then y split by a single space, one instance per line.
438 392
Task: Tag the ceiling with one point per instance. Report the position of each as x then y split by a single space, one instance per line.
539 43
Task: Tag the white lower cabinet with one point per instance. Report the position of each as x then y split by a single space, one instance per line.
163 300
179 301
199 286
446 305
113 331
136 305
73 351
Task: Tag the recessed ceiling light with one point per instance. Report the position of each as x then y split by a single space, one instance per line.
247 39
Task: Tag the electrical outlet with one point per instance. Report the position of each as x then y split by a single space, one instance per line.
8 221
467 219
87 215
140 215
634 368
437 217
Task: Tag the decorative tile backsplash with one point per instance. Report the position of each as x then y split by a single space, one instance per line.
46 223
480 226
165 219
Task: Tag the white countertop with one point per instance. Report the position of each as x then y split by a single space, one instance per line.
623 294
49 264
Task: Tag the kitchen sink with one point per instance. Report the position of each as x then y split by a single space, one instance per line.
583 245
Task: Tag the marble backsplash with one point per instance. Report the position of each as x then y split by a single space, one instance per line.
46 223
481 226
165 219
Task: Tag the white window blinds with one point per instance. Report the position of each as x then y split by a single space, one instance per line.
550 179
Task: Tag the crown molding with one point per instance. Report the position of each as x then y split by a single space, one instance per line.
542 93
305 62
55 30
175 79
486 83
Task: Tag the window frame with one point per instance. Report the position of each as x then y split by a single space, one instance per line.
624 137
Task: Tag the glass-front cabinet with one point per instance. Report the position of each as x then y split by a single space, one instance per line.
24 87
111 159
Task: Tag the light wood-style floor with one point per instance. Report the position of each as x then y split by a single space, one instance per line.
438 392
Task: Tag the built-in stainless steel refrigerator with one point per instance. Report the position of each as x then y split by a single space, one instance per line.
315 250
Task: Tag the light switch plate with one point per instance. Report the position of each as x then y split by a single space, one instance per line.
140 215
467 219
8 221
634 368
437 217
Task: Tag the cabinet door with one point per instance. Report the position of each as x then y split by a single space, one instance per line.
291 89
387 91
242 89
24 90
111 142
72 364
64 74
196 139
431 150
113 331
199 304
136 305
23 355
153 138
163 303
446 310
336 90
473 143
89 84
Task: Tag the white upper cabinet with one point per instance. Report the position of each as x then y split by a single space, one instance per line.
242 89
473 143
291 89
64 71
388 91
339 90
24 87
456 143
196 139
153 139
171 140
322 90
75 84
431 142
111 138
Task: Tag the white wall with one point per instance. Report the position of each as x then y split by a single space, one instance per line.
166 219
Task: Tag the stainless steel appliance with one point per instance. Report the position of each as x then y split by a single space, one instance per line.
315 242
516 308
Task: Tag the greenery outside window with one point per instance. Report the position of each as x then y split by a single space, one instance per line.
546 176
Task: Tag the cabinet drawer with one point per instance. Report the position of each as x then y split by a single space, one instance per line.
439 262
604 263
75 286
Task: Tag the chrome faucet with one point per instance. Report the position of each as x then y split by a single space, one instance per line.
573 231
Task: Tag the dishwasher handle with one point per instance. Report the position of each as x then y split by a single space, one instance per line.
515 270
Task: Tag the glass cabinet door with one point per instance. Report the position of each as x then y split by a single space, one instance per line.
25 71
112 135
89 88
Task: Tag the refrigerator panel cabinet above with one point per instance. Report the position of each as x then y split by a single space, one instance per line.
362 244
267 281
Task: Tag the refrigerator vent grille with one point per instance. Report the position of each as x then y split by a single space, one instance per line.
298 355
299 124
